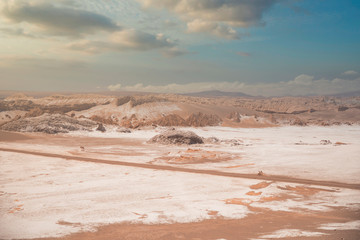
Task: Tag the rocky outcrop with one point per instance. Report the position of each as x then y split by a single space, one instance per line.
123 100
123 130
171 120
101 128
139 111
325 142
49 123
234 117
297 122
35 112
201 120
194 120
102 120
177 137
8 116
342 108
36 108
138 100
133 122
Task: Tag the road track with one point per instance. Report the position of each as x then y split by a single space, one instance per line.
274 178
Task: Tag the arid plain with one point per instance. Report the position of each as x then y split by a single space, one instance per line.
179 167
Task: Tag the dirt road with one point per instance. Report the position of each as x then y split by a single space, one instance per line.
274 178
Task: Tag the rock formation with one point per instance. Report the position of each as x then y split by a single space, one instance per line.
201 120
177 137
171 120
138 111
101 128
49 123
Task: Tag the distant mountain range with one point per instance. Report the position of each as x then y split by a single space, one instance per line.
213 93
216 93
347 94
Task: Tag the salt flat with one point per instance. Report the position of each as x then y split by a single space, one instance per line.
291 151
51 197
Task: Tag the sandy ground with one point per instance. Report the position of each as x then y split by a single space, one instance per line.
11 136
254 226
286 151
119 187
276 178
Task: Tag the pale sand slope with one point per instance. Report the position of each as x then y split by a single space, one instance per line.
53 197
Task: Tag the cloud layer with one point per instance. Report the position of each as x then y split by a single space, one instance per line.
299 86
350 73
214 28
217 17
128 39
56 19
44 19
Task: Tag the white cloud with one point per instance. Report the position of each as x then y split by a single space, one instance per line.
301 85
302 79
114 87
214 28
216 17
59 18
133 39
350 73
128 39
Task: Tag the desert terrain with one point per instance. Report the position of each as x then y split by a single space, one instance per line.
165 166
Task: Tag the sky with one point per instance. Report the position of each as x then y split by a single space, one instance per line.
258 47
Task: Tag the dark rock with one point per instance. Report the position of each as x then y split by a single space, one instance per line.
325 142
177 137
123 130
101 128
342 108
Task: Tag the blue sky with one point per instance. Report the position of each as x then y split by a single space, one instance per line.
259 47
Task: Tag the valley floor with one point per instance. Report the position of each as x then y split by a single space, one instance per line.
92 185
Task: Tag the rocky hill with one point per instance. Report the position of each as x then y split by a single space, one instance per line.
49 123
178 110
